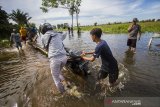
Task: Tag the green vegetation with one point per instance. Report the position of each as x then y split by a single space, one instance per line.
4 43
73 6
122 27
5 26
20 17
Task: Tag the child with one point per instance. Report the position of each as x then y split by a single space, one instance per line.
15 37
109 63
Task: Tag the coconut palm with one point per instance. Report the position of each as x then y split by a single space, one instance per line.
20 17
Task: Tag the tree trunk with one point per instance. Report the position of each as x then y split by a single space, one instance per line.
72 24
77 23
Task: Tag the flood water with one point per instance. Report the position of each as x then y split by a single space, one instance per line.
25 79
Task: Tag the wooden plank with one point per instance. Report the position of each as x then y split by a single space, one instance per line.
39 48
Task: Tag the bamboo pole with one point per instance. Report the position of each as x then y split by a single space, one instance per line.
40 49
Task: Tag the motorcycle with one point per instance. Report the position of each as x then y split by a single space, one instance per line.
75 63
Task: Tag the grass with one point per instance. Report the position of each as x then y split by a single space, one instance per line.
4 43
122 28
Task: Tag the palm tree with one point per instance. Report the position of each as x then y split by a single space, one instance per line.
20 17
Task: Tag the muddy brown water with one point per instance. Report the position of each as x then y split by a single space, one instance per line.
25 79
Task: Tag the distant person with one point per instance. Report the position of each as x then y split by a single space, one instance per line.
72 30
15 37
69 30
53 43
109 63
32 33
79 30
134 29
23 33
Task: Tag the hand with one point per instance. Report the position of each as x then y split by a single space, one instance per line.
83 54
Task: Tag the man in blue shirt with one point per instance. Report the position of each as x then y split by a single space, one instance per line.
109 63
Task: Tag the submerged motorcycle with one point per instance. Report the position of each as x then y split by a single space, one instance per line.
75 63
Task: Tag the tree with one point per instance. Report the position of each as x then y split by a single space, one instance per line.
95 24
71 12
66 25
158 20
20 17
31 24
77 10
58 26
5 26
62 26
153 20
54 27
71 5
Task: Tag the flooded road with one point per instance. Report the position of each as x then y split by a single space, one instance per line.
25 79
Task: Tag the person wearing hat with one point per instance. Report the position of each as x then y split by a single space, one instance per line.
134 30
15 37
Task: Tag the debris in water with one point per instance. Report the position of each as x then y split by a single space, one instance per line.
120 86
74 92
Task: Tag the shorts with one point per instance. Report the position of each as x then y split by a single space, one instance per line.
132 43
18 44
113 74
23 38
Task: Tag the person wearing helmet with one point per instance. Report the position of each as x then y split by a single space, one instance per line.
134 29
53 43
15 37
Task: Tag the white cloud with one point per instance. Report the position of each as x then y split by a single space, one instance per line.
101 11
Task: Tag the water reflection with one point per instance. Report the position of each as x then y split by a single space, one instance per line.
70 36
79 34
129 58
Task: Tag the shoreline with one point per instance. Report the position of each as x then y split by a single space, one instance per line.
153 27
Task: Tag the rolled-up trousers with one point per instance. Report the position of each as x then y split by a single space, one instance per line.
56 65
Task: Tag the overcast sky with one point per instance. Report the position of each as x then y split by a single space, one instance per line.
91 11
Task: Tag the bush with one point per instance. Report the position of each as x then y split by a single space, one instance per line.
4 43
